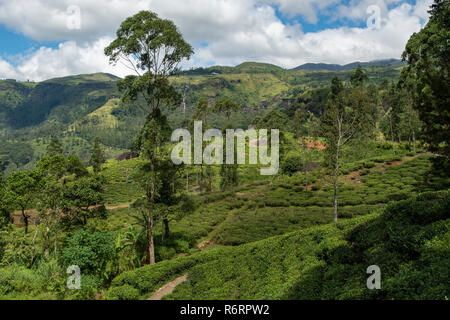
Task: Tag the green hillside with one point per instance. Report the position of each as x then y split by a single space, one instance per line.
408 241
80 108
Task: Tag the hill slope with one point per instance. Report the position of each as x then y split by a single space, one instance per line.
350 66
408 241
79 108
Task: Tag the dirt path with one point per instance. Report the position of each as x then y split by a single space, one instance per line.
122 206
168 288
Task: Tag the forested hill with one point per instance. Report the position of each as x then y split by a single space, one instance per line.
78 108
350 66
63 99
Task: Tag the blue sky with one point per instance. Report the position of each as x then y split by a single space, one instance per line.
37 42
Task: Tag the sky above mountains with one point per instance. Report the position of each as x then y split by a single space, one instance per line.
42 39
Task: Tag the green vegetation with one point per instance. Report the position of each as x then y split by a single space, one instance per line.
407 240
355 143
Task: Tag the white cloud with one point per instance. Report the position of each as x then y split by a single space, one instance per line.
7 70
356 10
68 59
234 31
306 8
278 43
47 19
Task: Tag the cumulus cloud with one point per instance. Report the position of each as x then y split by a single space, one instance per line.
225 32
68 59
308 9
7 70
282 45
51 19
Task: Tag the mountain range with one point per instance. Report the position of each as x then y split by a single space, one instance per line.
78 108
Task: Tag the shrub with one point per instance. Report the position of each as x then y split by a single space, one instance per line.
90 251
369 164
292 164
164 253
90 285
124 292
385 146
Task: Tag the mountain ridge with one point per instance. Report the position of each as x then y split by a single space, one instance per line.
353 65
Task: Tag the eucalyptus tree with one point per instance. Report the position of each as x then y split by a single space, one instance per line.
50 200
23 188
303 124
428 56
226 106
55 147
152 48
98 157
205 174
347 118
5 205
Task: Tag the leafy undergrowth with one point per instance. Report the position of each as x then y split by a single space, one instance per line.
264 209
285 206
408 241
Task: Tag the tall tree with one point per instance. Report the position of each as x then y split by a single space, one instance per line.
152 48
346 119
98 157
5 207
202 111
22 189
228 172
83 199
226 106
55 147
428 55
303 122
358 77
205 174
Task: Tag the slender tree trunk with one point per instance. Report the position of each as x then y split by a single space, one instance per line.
336 187
414 142
47 240
306 175
392 130
166 228
25 220
187 179
33 247
151 245
55 243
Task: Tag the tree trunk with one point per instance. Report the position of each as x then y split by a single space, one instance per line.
33 245
187 179
55 244
151 245
25 220
335 210
392 130
47 240
336 176
414 142
306 176
166 228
